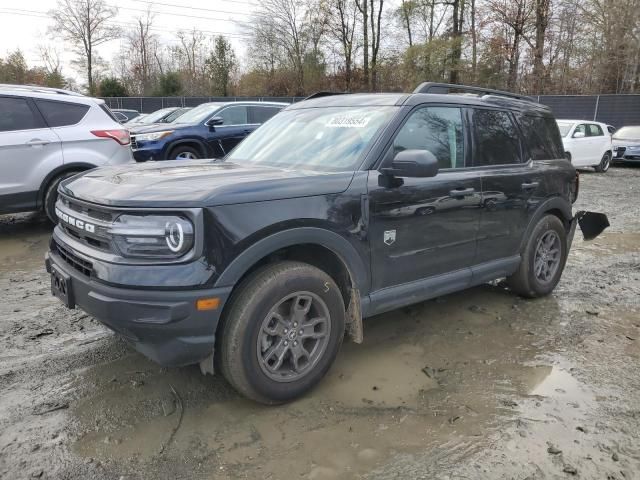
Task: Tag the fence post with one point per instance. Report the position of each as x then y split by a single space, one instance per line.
595 113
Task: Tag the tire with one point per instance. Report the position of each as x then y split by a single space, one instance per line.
604 164
526 281
51 195
184 152
243 344
567 155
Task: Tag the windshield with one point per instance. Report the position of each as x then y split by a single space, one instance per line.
155 116
627 133
176 114
564 128
199 114
323 139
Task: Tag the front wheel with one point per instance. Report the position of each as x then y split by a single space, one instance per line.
543 259
51 195
282 332
604 164
184 153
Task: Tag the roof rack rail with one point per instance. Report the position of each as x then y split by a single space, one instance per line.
425 87
323 94
38 88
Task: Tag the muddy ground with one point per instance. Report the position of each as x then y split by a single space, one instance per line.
480 384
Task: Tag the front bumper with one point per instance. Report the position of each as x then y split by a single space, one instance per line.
147 154
164 325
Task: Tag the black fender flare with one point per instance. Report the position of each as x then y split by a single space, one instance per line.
340 246
556 203
79 166
189 140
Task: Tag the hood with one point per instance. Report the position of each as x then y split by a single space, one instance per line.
157 127
198 183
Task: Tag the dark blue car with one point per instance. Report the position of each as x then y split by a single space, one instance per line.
210 130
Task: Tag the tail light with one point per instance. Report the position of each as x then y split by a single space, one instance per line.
575 187
120 136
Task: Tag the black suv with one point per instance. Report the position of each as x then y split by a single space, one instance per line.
338 208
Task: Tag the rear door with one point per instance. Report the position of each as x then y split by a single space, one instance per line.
509 182
29 150
423 227
600 142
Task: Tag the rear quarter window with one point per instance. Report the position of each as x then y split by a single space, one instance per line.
106 110
61 114
542 137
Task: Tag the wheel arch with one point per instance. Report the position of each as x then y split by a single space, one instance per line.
189 142
557 206
60 170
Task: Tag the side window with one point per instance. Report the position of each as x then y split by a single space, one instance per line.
497 139
234 115
15 114
542 137
582 128
61 114
261 114
595 130
437 129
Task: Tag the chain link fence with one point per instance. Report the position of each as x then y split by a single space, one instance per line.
616 110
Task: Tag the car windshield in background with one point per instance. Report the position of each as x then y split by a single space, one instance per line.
627 133
177 113
564 128
155 116
199 114
327 139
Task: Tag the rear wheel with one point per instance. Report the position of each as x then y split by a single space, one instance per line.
282 332
51 195
184 152
543 259
604 164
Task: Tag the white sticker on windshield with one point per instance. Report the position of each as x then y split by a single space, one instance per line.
348 121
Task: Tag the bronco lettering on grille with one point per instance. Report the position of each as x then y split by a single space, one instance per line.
81 224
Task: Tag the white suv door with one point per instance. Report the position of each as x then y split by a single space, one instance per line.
580 146
28 152
599 143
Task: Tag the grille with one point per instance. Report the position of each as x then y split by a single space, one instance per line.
134 144
100 217
620 151
85 209
71 259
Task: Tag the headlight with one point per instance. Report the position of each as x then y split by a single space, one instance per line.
152 236
150 137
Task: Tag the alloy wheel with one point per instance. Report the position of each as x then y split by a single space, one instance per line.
548 255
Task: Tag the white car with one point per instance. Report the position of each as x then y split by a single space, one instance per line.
586 144
47 135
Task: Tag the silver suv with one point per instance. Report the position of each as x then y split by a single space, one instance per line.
47 135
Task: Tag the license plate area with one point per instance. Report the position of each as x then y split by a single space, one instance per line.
61 287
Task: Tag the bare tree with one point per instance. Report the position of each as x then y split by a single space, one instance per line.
342 26
376 29
142 49
85 24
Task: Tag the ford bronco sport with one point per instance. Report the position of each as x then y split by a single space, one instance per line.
338 208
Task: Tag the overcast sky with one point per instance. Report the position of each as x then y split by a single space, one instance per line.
24 24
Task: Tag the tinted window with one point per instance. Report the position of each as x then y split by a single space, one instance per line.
15 114
437 129
262 114
594 130
542 137
234 115
497 139
60 114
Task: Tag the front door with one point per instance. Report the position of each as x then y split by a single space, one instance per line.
422 227
232 131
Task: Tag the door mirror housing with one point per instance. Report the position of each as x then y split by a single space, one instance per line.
413 163
214 121
578 135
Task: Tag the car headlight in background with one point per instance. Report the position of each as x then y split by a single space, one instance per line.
152 236
150 137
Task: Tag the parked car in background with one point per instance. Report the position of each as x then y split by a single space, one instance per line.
586 144
210 130
164 115
260 264
125 114
626 144
47 135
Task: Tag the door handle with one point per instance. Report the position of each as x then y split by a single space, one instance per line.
462 192
36 142
530 185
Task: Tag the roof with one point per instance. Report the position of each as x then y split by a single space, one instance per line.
399 99
34 91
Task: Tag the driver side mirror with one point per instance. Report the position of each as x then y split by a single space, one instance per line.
213 121
413 163
578 135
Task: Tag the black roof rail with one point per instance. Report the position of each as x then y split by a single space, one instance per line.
425 87
323 94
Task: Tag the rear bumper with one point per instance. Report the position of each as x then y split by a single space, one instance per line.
164 325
